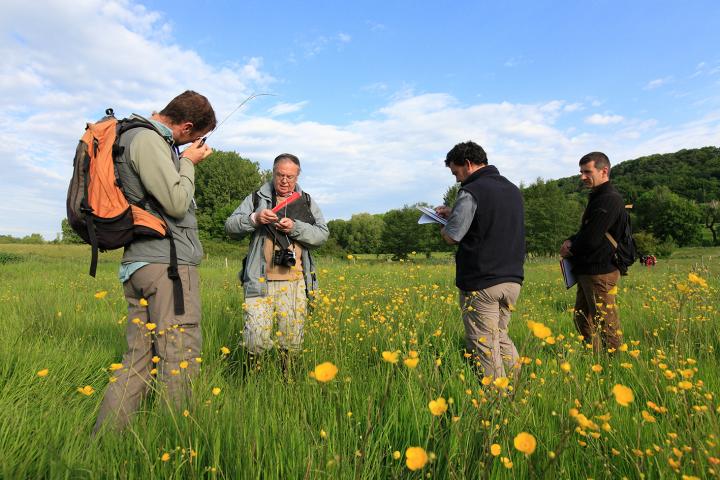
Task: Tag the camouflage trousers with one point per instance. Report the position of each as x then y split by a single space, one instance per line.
286 305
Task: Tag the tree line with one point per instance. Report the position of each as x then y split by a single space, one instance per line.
674 200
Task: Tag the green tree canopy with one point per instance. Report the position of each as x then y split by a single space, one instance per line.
222 181
669 216
68 234
364 233
451 195
550 217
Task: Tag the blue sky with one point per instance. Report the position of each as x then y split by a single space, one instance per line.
370 95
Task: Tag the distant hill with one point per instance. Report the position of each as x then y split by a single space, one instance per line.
693 174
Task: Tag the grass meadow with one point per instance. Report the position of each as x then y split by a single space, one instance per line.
360 424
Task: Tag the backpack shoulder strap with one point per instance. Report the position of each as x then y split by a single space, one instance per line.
612 240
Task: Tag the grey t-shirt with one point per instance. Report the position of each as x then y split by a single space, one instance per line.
461 216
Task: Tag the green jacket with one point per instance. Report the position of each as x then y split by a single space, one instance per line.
238 225
150 165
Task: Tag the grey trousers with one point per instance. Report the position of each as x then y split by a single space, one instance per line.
161 345
486 315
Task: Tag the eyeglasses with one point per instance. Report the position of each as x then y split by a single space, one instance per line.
289 178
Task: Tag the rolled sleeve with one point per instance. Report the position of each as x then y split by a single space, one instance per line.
461 216
153 161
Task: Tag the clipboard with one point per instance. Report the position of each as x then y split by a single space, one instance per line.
566 269
429 216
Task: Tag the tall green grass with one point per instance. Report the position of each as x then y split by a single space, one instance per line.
262 425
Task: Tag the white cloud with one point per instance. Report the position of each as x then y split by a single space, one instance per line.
51 83
63 66
598 119
375 26
573 107
658 82
285 108
312 48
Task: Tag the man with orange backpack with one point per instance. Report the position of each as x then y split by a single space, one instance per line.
159 274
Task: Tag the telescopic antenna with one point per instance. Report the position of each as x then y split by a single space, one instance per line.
254 95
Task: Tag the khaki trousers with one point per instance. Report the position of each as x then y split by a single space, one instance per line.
596 313
486 315
286 302
155 331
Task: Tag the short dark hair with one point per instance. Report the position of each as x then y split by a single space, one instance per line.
470 151
601 160
286 157
192 107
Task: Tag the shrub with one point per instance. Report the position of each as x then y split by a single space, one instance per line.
647 244
6 258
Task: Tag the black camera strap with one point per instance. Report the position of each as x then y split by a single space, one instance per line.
280 239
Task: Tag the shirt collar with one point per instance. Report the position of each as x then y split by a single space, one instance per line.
163 129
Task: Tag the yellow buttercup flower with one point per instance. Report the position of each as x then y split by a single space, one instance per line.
525 442
165 457
495 449
390 357
415 458
647 417
116 366
43 373
623 395
613 291
565 367
411 362
397 455
438 407
86 390
216 391
225 350
143 302
501 382
596 368
101 294
539 330
324 372
697 280
184 364
150 326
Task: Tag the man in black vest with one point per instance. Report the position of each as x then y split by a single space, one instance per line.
487 223
591 252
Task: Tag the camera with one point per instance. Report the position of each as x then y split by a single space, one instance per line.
284 257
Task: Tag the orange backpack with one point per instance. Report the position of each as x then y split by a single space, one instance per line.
97 208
